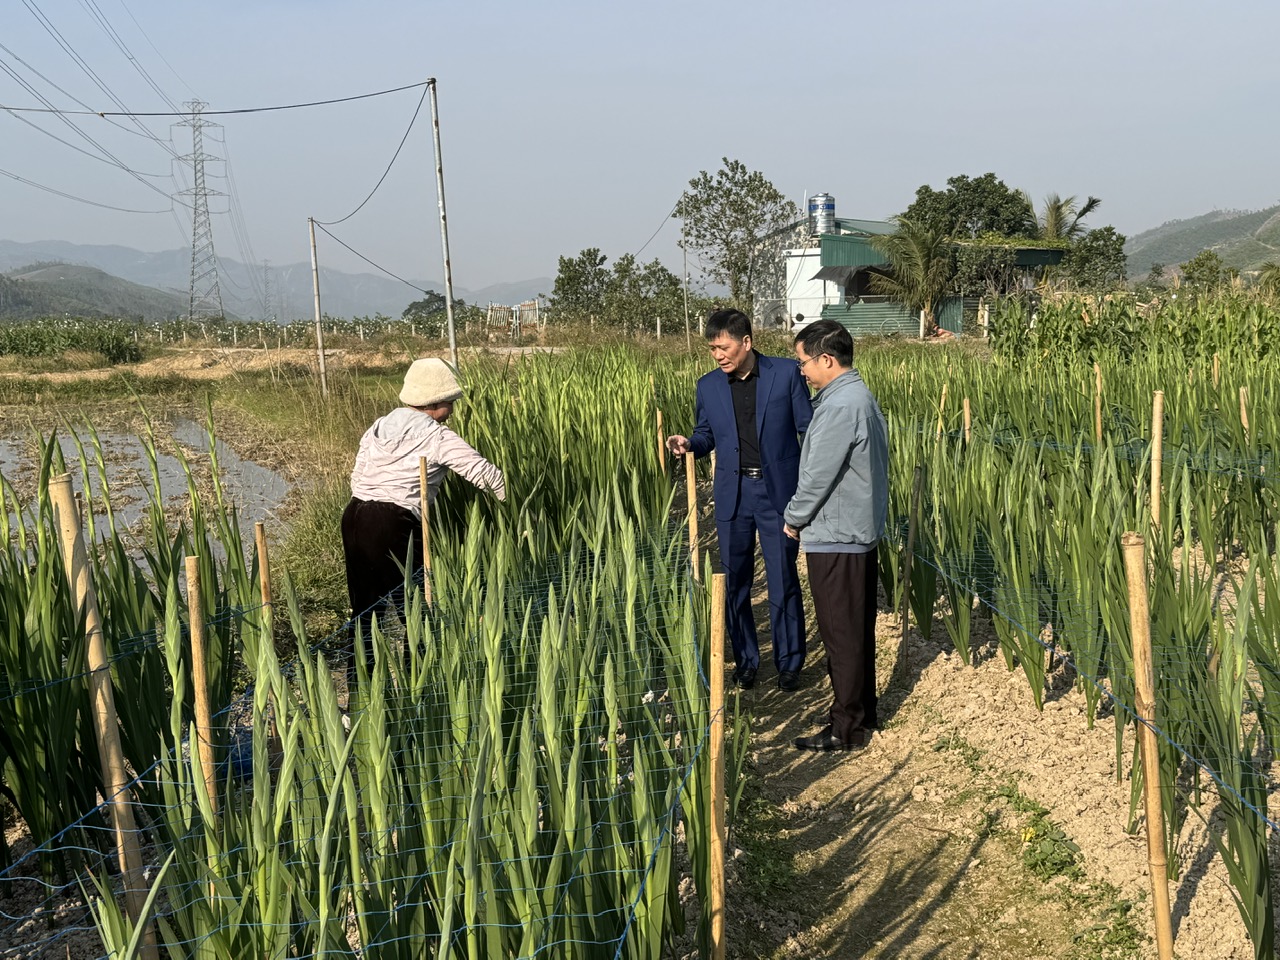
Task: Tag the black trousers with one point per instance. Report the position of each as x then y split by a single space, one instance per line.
844 601
376 538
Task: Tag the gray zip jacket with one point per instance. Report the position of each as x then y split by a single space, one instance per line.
842 500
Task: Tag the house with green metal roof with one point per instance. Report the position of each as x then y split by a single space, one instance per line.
829 277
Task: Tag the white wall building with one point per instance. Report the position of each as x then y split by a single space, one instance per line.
804 295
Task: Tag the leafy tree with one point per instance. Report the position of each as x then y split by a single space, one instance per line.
920 260
637 293
1097 260
727 217
985 269
971 206
628 295
1059 218
1204 272
1269 278
580 285
422 310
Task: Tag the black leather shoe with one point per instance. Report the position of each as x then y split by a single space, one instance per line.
745 677
826 742
789 680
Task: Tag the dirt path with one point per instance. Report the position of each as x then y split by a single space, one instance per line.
948 836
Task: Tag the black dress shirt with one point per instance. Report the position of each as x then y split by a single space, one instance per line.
743 391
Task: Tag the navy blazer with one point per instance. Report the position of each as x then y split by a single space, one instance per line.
783 412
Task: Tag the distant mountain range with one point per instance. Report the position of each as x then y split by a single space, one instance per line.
155 285
1244 240
53 290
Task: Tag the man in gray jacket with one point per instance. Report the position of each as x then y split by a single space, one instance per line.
838 515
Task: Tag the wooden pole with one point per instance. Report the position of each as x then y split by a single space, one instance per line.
105 723
1157 453
1097 404
315 283
1244 410
264 563
1217 369
662 445
425 505
942 406
200 680
968 422
716 744
917 489
691 494
1145 701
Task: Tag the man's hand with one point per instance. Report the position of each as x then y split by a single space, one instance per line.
791 531
678 445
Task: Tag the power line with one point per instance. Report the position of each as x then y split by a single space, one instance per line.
112 158
412 121
70 96
155 48
212 113
88 70
96 12
69 196
659 230
370 262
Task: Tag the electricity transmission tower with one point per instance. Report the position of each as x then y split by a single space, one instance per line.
205 294
268 307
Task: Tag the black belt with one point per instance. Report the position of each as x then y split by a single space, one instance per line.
755 473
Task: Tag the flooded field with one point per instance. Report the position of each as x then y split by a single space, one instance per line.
119 461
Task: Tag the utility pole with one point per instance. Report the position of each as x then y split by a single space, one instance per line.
444 225
204 293
688 335
315 283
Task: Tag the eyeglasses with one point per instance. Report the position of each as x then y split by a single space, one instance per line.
811 359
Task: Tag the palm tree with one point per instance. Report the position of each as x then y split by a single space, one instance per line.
1059 219
1269 277
920 261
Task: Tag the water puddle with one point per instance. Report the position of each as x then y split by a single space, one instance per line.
254 491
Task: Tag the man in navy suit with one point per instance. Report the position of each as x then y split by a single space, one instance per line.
751 411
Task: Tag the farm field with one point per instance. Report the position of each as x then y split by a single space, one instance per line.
989 818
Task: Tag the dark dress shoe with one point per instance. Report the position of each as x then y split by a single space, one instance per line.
745 677
826 742
789 680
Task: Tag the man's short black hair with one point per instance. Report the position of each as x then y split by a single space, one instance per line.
829 337
733 322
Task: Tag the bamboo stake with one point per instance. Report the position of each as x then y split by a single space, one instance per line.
1157 453
1097 403
264 564
424 503
691 493
105 722
1145 702
1244 410
716 745
200 680
662 445
942 406
917 486
968 422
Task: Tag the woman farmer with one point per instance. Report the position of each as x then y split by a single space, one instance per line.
384 516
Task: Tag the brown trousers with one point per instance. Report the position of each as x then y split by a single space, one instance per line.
844 601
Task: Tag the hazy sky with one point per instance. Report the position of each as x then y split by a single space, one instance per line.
568 125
